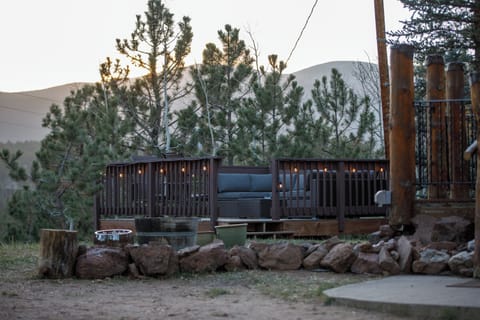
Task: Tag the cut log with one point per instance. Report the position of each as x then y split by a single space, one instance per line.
58 253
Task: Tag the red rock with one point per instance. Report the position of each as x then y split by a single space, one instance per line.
281 256
155 260
101 262
366 263
340 258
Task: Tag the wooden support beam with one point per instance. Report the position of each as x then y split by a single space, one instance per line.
436 128
475 96
457 140
402 135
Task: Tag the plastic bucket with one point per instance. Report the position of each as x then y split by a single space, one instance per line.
178 232
113 237
232 234
205 237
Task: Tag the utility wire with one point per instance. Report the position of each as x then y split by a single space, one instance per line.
21 125
22 110
301 32
32 96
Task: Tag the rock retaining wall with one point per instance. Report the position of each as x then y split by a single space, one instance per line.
386 253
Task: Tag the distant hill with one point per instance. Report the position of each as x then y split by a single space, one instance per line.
21 113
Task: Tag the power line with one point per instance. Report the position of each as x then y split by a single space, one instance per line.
22 110
21 125
301 32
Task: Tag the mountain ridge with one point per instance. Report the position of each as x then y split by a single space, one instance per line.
21 113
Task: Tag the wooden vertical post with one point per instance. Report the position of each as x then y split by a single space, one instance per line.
341 208
475 96
150 190
212 190
457 140
436 128
275 210
383 71
402 135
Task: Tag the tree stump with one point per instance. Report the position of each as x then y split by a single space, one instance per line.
58 253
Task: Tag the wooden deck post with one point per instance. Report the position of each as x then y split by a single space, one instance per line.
475 96
457 140
275 210
436 128
340 191
212 191
402 135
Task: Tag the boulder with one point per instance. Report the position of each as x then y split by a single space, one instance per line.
453 228
312 261
101 262
405 252
206 259
257 247
423 227
364 246
387 262
374 237
311 248
442 245
234 263
386 231
247 256
154 259
332 242
281 256
395 255
340 258
366 263
462 264
431 262
471 245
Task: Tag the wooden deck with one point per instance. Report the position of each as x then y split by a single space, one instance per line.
297 228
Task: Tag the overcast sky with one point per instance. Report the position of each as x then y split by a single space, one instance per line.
52 42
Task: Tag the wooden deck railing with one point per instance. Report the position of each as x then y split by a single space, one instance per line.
316 189
162 187
301 188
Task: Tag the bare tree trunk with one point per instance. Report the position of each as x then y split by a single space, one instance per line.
58 253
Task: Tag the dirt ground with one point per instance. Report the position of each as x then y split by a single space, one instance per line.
236 295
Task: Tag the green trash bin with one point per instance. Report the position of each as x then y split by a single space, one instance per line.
232 234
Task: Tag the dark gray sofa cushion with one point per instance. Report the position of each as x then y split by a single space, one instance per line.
260 182
243 195
233 182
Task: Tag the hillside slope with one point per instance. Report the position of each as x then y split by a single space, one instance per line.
21 113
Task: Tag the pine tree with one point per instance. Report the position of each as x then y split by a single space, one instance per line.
447 27
265 116
221 82
347 121
86 134
160 49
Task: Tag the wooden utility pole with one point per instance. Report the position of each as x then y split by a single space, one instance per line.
402 135
475 96
383 71
436 128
